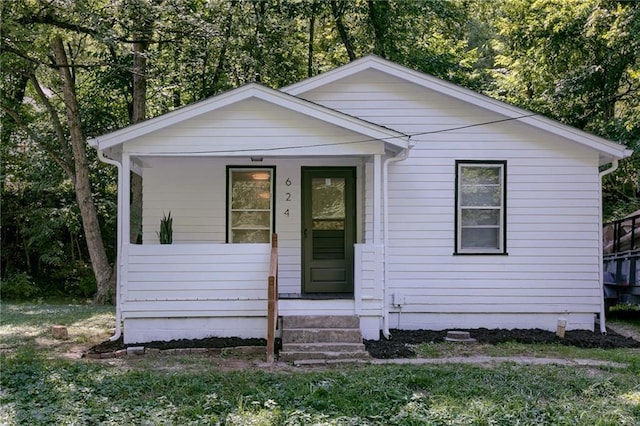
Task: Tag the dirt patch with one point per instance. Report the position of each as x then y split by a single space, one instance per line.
399 346
626 330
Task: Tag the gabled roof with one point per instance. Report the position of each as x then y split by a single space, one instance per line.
608 150
252 91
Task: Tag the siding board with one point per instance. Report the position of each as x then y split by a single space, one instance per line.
552 206
199 212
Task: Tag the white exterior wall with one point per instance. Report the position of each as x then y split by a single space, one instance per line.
552 214
194 190
195 291
192 186
368 295
254 127
199 286
552 266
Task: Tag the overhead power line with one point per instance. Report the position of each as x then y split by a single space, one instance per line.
410 135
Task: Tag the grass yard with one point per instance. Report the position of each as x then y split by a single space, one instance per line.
40 384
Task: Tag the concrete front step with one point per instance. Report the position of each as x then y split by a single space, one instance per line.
321 335
329 338
329 321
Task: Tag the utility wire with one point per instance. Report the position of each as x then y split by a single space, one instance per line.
473 125
409 135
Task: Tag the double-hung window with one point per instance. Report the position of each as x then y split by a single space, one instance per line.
480 207
249 204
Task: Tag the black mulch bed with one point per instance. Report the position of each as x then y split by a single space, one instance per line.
210 342
400 344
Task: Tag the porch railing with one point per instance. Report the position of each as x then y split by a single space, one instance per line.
272 300
621 236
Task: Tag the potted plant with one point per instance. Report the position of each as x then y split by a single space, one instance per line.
166 229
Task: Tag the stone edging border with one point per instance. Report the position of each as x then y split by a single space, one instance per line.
141 350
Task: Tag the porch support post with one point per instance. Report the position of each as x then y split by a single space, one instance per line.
377 198
126 201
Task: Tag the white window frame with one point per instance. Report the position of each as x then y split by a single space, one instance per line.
230 210
501 249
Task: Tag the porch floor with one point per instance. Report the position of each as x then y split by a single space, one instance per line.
316 296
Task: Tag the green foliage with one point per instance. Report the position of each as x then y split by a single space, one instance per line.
578 62
41 225
78 279
18 286
39 388
166 229
39 391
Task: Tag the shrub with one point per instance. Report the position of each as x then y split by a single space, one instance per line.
79 280
18 286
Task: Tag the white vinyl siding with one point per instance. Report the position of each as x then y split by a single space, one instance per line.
552 225
212 278
194 190
402 106
552 222
255 127
173 288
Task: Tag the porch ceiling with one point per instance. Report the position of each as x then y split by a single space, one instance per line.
177 160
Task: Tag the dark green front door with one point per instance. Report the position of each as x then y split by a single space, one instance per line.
328 229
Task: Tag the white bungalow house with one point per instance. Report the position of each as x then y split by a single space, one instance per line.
399 198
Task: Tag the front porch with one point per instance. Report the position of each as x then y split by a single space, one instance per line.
208 284
232 170
200 290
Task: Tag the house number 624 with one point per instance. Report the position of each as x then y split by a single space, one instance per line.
287 195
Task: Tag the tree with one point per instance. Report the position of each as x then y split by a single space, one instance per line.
102 269
578 62
64 141
117 64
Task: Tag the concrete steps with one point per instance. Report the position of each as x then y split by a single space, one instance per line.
321 338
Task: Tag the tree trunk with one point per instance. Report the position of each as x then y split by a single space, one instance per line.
379 18
342 30
138 111
312 28
102 270
138 114
217 75
259 9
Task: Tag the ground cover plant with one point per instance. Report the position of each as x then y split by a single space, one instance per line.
39 385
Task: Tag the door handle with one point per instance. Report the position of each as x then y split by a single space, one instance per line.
305 232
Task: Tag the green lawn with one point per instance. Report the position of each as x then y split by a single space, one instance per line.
40 386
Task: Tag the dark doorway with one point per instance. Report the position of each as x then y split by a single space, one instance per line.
328 229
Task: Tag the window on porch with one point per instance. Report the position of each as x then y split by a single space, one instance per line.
250 205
